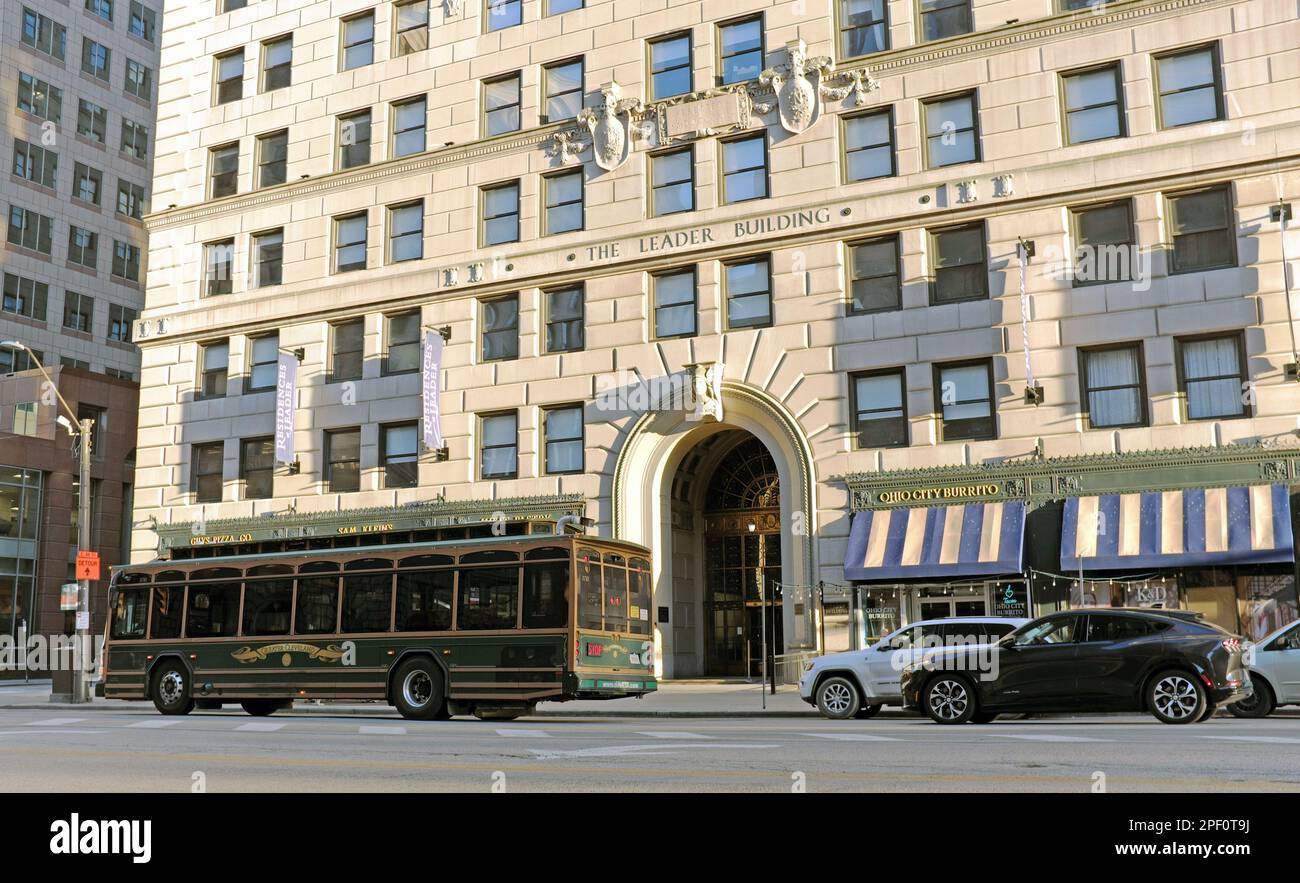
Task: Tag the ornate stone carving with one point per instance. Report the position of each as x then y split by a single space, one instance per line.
706 384
801 83
1068 484
967 191
1004 185
451 8
1274 470
857 80
565 145
610 126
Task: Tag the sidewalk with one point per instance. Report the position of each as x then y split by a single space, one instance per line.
694 698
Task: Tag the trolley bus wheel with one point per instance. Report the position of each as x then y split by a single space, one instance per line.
418 690
171 689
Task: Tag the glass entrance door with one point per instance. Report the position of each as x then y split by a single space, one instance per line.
946 602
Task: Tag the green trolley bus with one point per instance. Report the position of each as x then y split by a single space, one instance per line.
486 627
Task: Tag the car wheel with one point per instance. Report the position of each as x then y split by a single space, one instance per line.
1258 704
171 689
1175 697
867 711
418 690
949 699
1210 709
837 698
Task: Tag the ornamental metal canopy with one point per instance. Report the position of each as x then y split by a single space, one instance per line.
936 541
1219 525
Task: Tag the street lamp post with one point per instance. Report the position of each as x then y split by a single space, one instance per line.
84 427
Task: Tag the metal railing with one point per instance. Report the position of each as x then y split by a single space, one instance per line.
787 667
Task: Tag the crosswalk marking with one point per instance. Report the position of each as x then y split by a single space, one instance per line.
854 737
533 733
1275 740
259 727
673 734
154 724
56 722
383 731
1046 737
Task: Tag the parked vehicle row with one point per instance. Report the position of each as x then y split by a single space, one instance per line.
1171 663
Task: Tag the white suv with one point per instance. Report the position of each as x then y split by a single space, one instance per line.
857 682
1274 666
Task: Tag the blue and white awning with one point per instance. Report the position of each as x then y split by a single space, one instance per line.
1225 525
938 541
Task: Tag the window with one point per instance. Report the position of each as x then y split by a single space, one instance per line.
501 105
740 50
83 246
214 361
130 199
499 450
213 608
670 66
951 132
350 243
268 258
263 368
1212 375
139 80
424 597
347 353
92 121
44 34
78 311
219 258
1189 88
869 146
1202 230
945 18
206 462
94 59
25 297
121 320
343 460
874 281
1094 107
29 229
748 286
318 599
232 5
563 193
408 127
504 14
863 28
964 400
135 139
412 27
563 90
1104 245
500 320
267 602
488 596
39 98
277 63
14 360
744 168
144 22
563 436
406 232
958 268
223 164
501 214
25 418
879 409
101 8
1112 386
257 467
358 41
399 455
1058 630
354 139
674 299
672 182
230 76
86 183
402 355
272 158
556 7
36 164
1102 627
565 311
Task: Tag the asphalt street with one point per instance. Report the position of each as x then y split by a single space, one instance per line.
136 749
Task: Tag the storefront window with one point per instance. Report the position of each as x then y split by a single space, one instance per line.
20 507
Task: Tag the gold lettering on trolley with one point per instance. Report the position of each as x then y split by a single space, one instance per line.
331 653
958 492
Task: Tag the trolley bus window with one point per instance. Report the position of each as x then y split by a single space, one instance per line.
589 589
318 599
615 593
129 613
489 596
545 584
368 597
424 600
638 610
267 601
168 603
214 606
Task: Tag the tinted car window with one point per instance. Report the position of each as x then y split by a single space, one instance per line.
906 639
1289 641
1106 627
961 633
1049 631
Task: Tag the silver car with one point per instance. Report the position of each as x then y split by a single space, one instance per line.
1274 666
856 683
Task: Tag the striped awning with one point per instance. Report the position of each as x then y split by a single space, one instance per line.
936 541
1224 525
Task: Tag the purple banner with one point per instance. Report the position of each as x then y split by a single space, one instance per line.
286 383
430 370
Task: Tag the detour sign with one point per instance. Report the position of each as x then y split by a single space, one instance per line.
87 565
